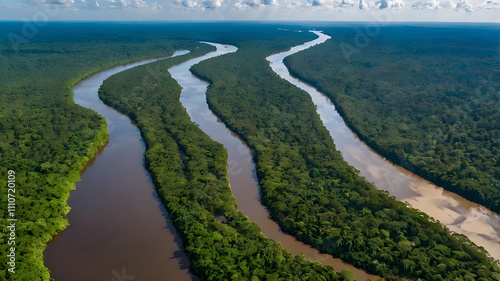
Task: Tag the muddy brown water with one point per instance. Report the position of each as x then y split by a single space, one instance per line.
242 172
119 230
455 212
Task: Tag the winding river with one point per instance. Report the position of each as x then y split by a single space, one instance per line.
242 172
455 212
119 229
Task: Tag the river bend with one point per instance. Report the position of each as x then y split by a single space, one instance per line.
455 212
119 229
242 172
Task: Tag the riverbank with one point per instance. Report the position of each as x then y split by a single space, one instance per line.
221 241
242 172
126 225
458 214
308 188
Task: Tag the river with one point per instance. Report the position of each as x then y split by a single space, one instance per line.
455 212
119 229
242 172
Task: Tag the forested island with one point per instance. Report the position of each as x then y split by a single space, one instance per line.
428 102
311 192
44 137
222 243
47 140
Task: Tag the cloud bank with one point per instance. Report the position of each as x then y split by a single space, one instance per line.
458 5
408 10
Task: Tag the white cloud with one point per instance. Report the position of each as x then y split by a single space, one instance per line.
226 4
400 10
211 4
44 3
428 4
252 3
490 5
139 4
390 4
362 5
316 5
92 3
116 4
318 2
329 4
347 3
156 7
270 2
63 2
189 3
447 4
464 5
460 5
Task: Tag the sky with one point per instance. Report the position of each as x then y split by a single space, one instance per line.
383 11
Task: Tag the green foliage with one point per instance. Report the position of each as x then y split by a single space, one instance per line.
313 193
44 137
223 243
425 101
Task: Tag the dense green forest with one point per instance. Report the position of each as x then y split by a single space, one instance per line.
44 137
426 98
316 196
222 243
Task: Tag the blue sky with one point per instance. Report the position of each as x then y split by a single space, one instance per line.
325 10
